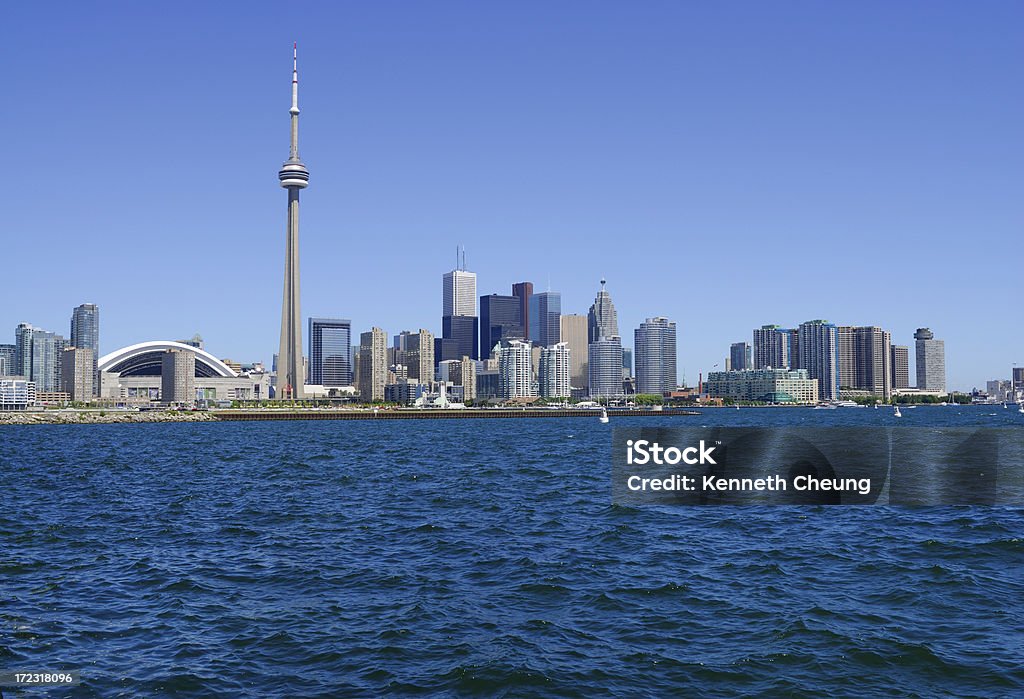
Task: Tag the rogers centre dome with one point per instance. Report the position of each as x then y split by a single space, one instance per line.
145 359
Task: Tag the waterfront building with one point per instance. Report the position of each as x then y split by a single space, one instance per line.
573 332
294 177
602 320
501 318
545 315
1017 380
372 364
766 385
555 371
515 370
178 377
847 350
655 345
523 291
865 360
330 347
85 332
38 356
775 347
78 373
627 363
999 389
17 394
900 362
488 384
135 373
7 354
740 358
873 370
931 361
605 367
819 355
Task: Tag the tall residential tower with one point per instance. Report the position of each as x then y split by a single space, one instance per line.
294 176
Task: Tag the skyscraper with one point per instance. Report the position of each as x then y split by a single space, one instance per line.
419 356
847 344
178 377
931 361
458 315
605 367
740 356
873 352
819 355
602 321
501 317
330 347
373 370
38 356
775 347
7 354
293 176
515 369
523 291
545 318
574 333
900 367
77 375
655 345
555 364
458 293
459 333
85 332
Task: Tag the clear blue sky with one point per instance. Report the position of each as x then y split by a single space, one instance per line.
722 164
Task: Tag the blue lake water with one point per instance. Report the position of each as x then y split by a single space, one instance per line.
480 557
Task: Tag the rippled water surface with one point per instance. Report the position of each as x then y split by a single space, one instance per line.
479 557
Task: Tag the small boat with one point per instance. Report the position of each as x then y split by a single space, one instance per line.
737 407
1021 408
896 411
604 417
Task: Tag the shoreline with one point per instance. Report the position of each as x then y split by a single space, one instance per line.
111 417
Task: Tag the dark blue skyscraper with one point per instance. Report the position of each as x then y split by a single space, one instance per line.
330 352
545 318
500 319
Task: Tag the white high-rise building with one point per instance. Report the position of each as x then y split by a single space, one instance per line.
605 367
931 361
655 346
459 287
515 369
555 371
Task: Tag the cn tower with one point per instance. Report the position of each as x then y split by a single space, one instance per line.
294 176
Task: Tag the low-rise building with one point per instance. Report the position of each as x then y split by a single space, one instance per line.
765 385
17 394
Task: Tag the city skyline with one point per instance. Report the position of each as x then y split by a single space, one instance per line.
559 243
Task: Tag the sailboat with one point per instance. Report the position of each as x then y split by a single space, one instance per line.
604 417
896 411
